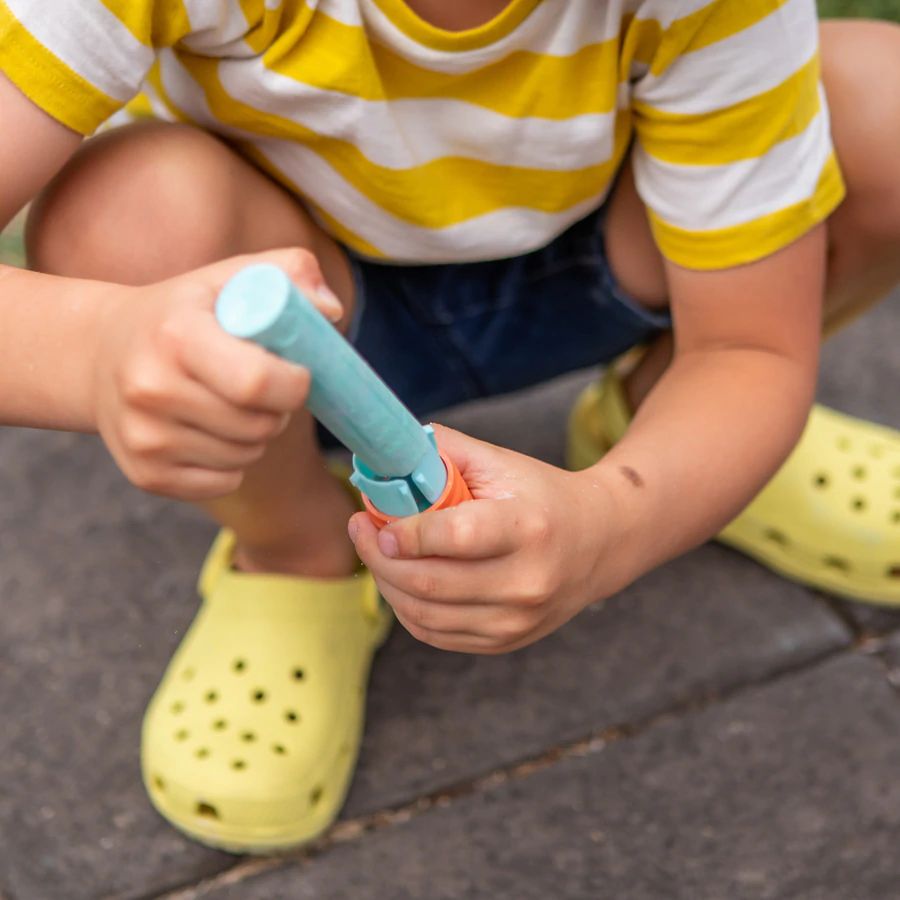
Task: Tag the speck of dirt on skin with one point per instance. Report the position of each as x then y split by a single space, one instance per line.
632 475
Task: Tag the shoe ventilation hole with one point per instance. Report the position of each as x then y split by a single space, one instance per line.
894 571
188 674
239 665
202 753
821 480
315 795
220 725
291 716
837 563
298 674
776 537
895 516
279 749
844 444
259 696
158 783
248 737
238 764
177 707
211 696
859 473
182 735
207 811
858 504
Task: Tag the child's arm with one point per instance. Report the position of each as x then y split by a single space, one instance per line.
540 543
732 404
183 407
34 147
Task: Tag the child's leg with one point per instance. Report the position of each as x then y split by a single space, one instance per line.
151 201
861 69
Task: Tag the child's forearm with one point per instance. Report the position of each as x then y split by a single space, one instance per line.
48 334
706 440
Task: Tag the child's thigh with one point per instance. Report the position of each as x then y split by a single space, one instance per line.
861 74
151 200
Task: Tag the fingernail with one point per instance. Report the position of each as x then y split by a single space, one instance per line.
334 309
353 529
285 421
387 543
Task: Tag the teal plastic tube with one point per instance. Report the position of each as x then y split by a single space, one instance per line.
261 304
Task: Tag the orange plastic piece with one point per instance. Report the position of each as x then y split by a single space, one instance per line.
456 491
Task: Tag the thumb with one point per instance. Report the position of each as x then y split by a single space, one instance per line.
298 264
479 463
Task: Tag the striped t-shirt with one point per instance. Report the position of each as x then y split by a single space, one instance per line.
411 143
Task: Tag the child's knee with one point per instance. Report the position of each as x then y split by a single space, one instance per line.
134 205
858 57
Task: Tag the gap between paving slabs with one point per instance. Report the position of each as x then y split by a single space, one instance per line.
793 735
348 830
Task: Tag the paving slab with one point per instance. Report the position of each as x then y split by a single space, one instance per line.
890 653
96 582
787 791
701 625
860 376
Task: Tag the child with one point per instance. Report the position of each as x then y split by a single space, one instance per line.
483 195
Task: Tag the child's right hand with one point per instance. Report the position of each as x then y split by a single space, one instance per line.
183 407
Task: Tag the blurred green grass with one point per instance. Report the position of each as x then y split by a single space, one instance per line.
875 9
11 251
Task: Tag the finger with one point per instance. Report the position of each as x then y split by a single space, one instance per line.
484 529
484 467
154 443
452 642
192 448
190 483
435 579
449 643
473 619
465 642
297 263
195 406
240 372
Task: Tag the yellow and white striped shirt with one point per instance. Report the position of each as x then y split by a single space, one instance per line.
414 144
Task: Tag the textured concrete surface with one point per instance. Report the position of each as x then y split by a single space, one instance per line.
861 376
702 625
788 791
96 587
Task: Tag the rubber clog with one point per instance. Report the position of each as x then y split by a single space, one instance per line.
250 742
829 518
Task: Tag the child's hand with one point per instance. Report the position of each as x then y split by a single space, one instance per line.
495 574
184 407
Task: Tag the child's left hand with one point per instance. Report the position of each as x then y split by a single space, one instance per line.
533 549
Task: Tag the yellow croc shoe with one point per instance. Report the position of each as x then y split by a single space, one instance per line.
830 517
251 739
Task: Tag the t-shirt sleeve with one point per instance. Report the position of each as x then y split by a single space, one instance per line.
82 60
733 154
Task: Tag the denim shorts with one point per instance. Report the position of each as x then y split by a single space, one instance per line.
443 334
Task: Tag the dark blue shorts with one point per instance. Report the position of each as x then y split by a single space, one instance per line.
443 334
